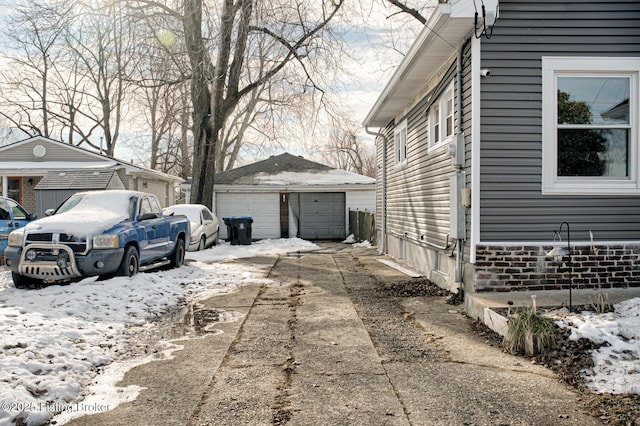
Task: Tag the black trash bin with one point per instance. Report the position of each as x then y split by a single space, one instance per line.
232 232
243 229
239 229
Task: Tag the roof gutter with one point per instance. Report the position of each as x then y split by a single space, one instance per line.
383 200
412 55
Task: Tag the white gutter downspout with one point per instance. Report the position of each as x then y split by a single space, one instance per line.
383 199
458 275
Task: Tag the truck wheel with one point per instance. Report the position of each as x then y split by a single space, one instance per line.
130 263
177 257
20 281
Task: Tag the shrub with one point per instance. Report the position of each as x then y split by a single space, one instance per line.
530 333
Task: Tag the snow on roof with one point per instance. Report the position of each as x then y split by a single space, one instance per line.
328 177
191 211
287 169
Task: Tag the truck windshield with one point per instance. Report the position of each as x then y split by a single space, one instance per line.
70 203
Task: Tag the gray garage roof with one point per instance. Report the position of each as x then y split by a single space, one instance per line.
77 179
286 169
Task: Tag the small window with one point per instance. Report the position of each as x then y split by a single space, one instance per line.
155 206
145 207
441 119
590 125
400 142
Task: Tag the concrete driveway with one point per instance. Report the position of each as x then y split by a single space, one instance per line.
330 348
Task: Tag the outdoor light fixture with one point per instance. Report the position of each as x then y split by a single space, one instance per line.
558 252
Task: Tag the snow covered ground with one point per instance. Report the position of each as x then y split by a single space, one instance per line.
58 341
617 362
55 340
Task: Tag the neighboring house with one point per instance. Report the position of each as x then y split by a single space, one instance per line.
40 173
288 196
490 138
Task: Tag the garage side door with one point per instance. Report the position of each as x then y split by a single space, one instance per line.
264 208
322 216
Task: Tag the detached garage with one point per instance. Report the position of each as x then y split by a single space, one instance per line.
288 196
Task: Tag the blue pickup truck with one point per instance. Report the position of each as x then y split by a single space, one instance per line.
12 217
96 233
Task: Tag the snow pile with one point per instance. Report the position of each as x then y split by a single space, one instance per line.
55 340
363 244
617 362
351 239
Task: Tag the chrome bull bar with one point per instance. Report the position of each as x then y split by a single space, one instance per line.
54 262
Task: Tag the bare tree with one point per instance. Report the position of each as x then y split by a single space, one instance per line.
405 8
348 151
227 82
70 75
254 68
32 38
100 42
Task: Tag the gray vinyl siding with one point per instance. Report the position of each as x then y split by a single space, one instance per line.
55 152
512 207
383 144
418 198
466 128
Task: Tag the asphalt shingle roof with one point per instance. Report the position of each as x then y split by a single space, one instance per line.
76 179
271 166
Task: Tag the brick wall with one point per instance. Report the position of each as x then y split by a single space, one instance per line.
511 268
29 193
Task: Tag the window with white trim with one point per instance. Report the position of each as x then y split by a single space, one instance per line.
590 125
400 142
441 119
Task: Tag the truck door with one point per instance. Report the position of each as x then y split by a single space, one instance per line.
149 224
162 238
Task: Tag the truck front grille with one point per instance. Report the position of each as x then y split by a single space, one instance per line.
78 244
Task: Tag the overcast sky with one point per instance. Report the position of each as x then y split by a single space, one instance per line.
377 36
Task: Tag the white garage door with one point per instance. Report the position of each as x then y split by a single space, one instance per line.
322 215
264 208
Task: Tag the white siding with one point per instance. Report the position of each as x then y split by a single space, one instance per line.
264 208
361 200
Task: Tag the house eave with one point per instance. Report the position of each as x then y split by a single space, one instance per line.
31 168
446 28
295 188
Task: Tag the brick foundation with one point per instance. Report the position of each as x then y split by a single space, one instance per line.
513 268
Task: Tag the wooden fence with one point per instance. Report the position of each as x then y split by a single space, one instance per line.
362 224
